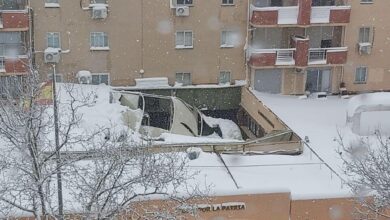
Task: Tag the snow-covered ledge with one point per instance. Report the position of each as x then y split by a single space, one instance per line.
99 48
52 5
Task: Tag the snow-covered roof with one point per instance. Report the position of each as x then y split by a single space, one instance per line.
305 176
369 101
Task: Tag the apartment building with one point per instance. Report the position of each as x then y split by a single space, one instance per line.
14 42
297 45
188 41
368 42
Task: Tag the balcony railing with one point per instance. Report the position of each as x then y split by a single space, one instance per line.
333 55
12 50
271 57
285 57
317 56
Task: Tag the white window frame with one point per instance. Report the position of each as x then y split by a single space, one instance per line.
52 3
59 77
100 75
367 34
227 2
94 2
99 47
49 35
223 72
358 76
182 78
185 3
227 39
366 1
184 44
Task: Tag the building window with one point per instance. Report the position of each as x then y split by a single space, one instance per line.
99 41
224 77
59 77
361 74
252 125
184 39
2 64
11 85
183 79
53 40
98 1
227 39
13 4
52 3
183 2
366 1
227 2
364 34
100 78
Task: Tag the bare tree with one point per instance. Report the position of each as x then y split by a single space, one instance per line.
118 174
111 173
26 135
367 164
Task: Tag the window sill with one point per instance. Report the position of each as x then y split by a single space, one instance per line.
100 48
366 3
184 5
228 5
227 46
52 5
360 83
184 47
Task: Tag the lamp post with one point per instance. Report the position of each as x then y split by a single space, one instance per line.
57 142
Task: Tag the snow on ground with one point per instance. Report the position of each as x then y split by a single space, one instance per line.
318 119
304 175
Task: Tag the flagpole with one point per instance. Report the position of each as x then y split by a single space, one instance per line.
58 155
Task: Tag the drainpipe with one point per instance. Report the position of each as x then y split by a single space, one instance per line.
58 149
246 47
344 40
30 35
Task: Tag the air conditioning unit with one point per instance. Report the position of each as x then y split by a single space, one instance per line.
84 77
52 55
364 48
99 11
182 11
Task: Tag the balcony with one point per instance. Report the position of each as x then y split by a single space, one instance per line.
330 14
12 66
286 15
328 56
271 57
299 12
14 20
13 58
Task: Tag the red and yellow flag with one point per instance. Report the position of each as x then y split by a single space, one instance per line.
46 95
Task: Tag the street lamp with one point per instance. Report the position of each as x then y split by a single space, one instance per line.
57 142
